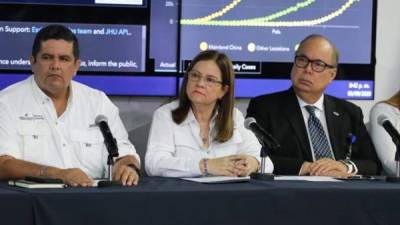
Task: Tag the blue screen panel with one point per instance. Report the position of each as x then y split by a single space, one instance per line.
114 85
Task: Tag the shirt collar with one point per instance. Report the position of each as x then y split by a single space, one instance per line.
191 118
319 104
40 96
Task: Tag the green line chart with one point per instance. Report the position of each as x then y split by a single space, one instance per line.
270 20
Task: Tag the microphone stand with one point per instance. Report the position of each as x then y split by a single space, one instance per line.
397 159
110 162
262 175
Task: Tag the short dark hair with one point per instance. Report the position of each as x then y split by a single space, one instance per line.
224 119
57 32
335 52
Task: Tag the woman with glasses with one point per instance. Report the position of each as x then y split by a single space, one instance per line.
202 133
388 110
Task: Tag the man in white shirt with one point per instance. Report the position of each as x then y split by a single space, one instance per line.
47 122
314 128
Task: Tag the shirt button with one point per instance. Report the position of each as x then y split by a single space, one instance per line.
64 145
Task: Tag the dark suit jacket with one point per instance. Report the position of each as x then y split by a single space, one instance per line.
280 115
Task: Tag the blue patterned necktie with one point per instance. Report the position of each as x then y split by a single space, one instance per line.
318 137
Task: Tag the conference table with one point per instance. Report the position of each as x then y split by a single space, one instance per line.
179 202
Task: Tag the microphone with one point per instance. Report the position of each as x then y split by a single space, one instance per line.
351 139
263 137
112 148
384 121
109 140
267 142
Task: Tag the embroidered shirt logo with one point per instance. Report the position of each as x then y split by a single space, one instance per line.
27 116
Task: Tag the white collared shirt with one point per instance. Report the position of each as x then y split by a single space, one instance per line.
320 114
174 150
30 129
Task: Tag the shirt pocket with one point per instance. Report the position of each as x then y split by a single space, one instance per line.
89 146
36 136
229 147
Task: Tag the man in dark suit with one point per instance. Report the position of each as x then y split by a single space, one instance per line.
313 127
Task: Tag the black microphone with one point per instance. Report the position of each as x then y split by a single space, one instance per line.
109 140
267 142
263 137
384 121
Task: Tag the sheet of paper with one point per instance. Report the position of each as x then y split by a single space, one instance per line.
218 179
307 178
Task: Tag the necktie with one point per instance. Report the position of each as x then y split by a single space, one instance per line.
318 137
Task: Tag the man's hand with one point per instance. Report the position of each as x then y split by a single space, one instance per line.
325 167
74 177
126 174
123 172
305 169
339 174
11 168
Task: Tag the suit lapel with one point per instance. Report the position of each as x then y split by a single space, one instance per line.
333 117
295 116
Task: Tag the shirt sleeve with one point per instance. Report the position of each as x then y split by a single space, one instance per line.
161 159
383 143
9 138
250 144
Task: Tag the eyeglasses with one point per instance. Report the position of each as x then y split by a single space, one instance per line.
316 65
209 81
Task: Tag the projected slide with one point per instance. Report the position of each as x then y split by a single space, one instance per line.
104 48
269 30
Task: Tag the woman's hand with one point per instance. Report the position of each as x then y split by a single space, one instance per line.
246 165
233 165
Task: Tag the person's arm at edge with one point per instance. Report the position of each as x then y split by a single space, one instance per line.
383 143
